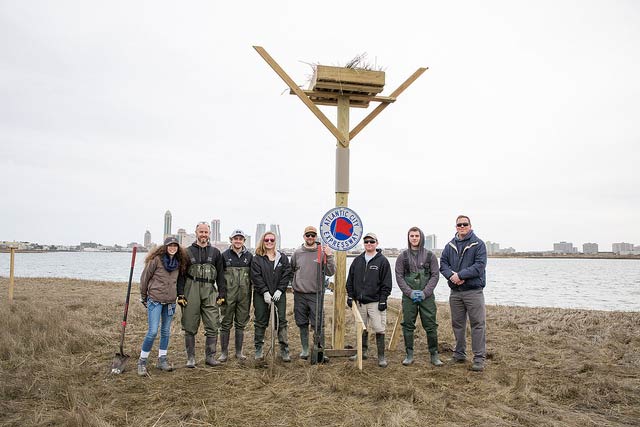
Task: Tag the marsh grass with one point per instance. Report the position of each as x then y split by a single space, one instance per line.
546 367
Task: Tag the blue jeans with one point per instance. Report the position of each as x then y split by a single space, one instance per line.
157 312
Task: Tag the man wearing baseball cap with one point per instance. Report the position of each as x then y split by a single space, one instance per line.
304 264
369 285
237 266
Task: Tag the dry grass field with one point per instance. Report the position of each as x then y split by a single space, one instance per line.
546 367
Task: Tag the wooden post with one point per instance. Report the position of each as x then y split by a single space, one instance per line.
342 199
11 262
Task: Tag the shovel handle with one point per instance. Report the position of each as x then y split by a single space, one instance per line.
126 304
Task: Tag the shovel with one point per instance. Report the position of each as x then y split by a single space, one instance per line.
317 354
119 362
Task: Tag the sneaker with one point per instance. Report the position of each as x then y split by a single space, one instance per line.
163 364
142 367
477 366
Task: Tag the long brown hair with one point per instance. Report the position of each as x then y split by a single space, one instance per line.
159 252
261 249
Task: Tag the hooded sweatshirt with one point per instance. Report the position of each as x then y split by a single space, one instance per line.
411 261
467 257
304 264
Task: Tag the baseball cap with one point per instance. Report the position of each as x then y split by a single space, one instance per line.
371 235
169 240
310 229
237 232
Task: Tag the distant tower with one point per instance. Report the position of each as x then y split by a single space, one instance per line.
247 242
275 229
215 230
167 224
430 242
260 229
147 239
182 233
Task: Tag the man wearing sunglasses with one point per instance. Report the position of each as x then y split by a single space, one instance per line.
368 286
463 263
304 264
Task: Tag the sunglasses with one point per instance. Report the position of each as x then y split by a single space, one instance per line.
462 224
269 240
369 242
310 235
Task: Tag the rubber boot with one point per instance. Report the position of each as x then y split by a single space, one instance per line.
163 364
224 346
259 343
190 347
210 351
142 367
382 362
304 341
239 340
284 344
365 347
408 344
435 359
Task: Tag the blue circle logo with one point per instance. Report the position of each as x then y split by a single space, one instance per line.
341 229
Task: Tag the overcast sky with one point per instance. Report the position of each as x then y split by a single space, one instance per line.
528 119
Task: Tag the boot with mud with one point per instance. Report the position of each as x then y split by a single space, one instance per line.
284 344
259 343
190 347
408 344
210 351
224 346
142 367
239 341
435 359
365 347
163 364
304 341
382 362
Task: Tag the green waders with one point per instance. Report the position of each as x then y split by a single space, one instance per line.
236 310
426 309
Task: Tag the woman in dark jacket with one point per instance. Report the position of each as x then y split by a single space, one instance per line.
270 275
158 295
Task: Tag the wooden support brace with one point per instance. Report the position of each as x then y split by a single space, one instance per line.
356 130
360 327
304 98
395 335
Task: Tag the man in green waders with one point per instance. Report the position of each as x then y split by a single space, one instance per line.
237 266
417 274
201 290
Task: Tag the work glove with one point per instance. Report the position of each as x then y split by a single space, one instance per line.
417 296
267 298
182 301
349 301
382 305
277 294
143 301
220 301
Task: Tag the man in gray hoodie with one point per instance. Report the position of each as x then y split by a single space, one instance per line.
306 281
417 274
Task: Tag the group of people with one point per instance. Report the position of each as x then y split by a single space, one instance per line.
219 287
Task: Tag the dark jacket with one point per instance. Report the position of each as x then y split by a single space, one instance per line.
200 255
369 282
411 261
157 283
232 259
267 277
468 258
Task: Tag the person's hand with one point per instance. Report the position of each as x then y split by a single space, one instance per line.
327 250
276 295
220 301
415 296
382 305
349 302
267 298
182 301
456 280
143 301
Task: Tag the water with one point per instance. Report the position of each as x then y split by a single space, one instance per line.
598 284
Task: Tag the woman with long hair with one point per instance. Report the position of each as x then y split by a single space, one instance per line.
158 294
270 275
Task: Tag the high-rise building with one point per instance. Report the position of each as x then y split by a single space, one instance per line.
181 234
564 248
492 247
247 242
215 230
430 242
147 239
260 230
590 248
167 225
275 229
618 248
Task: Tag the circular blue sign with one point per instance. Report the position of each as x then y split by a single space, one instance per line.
341 228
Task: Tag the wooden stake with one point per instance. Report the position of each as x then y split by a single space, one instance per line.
395 336
360 326
11 262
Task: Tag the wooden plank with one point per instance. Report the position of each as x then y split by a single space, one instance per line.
334 102
381 107
348 75
395 333
346 352
359 344
347 88
304 98
352 97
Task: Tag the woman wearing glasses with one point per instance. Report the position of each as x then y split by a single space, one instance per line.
270 274
158 295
